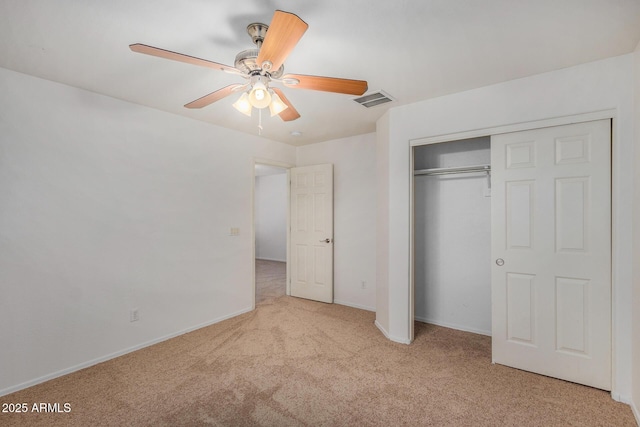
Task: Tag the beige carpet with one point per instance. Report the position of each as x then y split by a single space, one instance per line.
293 362
270 280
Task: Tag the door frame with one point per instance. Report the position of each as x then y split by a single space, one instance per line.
287 166
516 127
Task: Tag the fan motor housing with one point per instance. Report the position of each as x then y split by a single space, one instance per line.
246 62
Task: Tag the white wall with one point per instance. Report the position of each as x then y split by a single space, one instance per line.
354 183
452 237
271 217
595 86
107 206
636 243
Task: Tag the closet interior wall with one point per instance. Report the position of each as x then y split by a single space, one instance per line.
452 240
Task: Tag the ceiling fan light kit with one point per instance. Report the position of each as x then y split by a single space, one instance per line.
276 106
243 105
259 96
263 66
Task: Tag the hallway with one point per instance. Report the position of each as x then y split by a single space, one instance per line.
270 279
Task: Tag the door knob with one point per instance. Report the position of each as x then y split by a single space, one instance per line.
500 262
327 240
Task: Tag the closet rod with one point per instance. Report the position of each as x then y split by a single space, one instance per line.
460 169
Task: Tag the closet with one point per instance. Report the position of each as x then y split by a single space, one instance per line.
452 234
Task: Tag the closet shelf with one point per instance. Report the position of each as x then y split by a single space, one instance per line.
459 169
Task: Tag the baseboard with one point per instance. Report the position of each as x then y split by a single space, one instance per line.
383 330
349 304
453 326
391 337
629 401
635 411
620 398
271 259
119 353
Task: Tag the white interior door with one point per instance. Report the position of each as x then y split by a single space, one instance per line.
551 243
312 232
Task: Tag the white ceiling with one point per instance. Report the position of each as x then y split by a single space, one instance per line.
412 49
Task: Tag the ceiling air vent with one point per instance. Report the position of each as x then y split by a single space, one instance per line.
373 99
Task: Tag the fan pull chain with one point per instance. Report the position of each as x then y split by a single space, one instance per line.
260 121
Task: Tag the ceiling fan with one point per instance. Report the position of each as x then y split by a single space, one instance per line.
262 66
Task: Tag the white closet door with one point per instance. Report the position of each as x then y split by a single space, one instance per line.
551 246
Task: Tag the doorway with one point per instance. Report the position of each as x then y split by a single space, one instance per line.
271 204
452 234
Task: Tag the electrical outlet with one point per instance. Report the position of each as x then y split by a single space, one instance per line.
134 315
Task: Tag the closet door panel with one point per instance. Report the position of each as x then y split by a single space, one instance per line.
551 225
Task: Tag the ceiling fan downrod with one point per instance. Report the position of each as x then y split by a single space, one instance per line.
257 31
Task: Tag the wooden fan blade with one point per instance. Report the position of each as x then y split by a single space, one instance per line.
327 84
283 34
214 96
167 54
290 113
